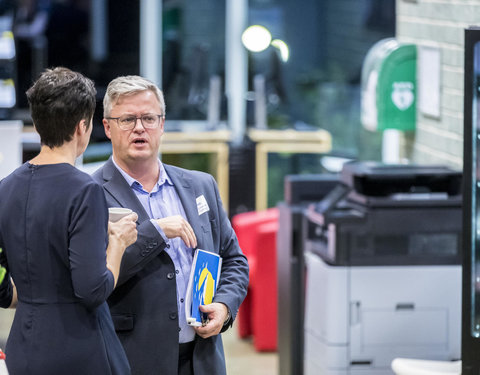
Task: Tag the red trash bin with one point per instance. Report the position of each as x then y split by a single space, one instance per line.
256 232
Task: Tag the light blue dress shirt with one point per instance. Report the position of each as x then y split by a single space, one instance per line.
161 202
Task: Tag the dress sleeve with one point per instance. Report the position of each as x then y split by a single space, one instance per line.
92 281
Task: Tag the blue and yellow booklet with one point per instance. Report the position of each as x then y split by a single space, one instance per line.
204 277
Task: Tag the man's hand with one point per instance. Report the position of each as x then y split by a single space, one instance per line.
177 226
217 313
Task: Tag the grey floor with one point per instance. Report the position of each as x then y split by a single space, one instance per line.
6 318
241 358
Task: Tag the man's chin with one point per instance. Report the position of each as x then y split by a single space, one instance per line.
141 155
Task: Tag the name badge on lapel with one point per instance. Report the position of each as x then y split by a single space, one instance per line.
202 205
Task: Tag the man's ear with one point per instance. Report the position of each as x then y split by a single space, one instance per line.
106 127
162 124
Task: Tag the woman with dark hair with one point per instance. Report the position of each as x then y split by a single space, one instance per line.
61 255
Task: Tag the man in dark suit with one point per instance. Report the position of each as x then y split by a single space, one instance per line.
178 211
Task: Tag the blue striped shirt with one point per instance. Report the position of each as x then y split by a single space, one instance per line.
161 202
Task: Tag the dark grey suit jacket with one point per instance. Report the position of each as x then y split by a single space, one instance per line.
144 303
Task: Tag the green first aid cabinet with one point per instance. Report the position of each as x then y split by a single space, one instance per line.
389 86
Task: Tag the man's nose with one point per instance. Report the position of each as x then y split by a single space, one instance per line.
138 120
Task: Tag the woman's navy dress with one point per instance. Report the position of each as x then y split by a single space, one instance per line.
53 232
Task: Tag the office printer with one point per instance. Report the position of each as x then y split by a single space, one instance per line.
383 256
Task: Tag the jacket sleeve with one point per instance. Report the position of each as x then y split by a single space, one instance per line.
233 284
148 245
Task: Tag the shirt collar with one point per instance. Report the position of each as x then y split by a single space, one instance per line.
162 179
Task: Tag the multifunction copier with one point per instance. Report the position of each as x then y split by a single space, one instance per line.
383 269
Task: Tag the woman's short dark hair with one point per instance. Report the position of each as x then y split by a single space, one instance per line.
59 100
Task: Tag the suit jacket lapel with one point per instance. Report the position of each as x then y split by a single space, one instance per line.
186 192
118 188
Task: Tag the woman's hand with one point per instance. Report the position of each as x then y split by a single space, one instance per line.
121 234
124 231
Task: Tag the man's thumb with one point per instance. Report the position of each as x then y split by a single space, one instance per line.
206 308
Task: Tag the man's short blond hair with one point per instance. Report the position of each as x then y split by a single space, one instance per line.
129 85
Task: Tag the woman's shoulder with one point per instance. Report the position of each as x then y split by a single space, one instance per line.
70 180
17 175
84 182
82 177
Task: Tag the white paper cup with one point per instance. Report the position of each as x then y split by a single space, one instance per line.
116 213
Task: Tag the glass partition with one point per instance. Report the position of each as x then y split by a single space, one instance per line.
471 206
193 59
318 86
475 311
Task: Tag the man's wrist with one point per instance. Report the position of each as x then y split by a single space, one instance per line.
227 319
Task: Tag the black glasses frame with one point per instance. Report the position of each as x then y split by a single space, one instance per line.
130 127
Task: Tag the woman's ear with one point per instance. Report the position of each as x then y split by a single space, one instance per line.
81 128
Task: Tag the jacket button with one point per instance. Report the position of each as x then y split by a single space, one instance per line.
170 275
173 315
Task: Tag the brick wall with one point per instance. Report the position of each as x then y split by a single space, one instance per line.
439 24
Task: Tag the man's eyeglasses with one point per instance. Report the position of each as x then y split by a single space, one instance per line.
128 122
